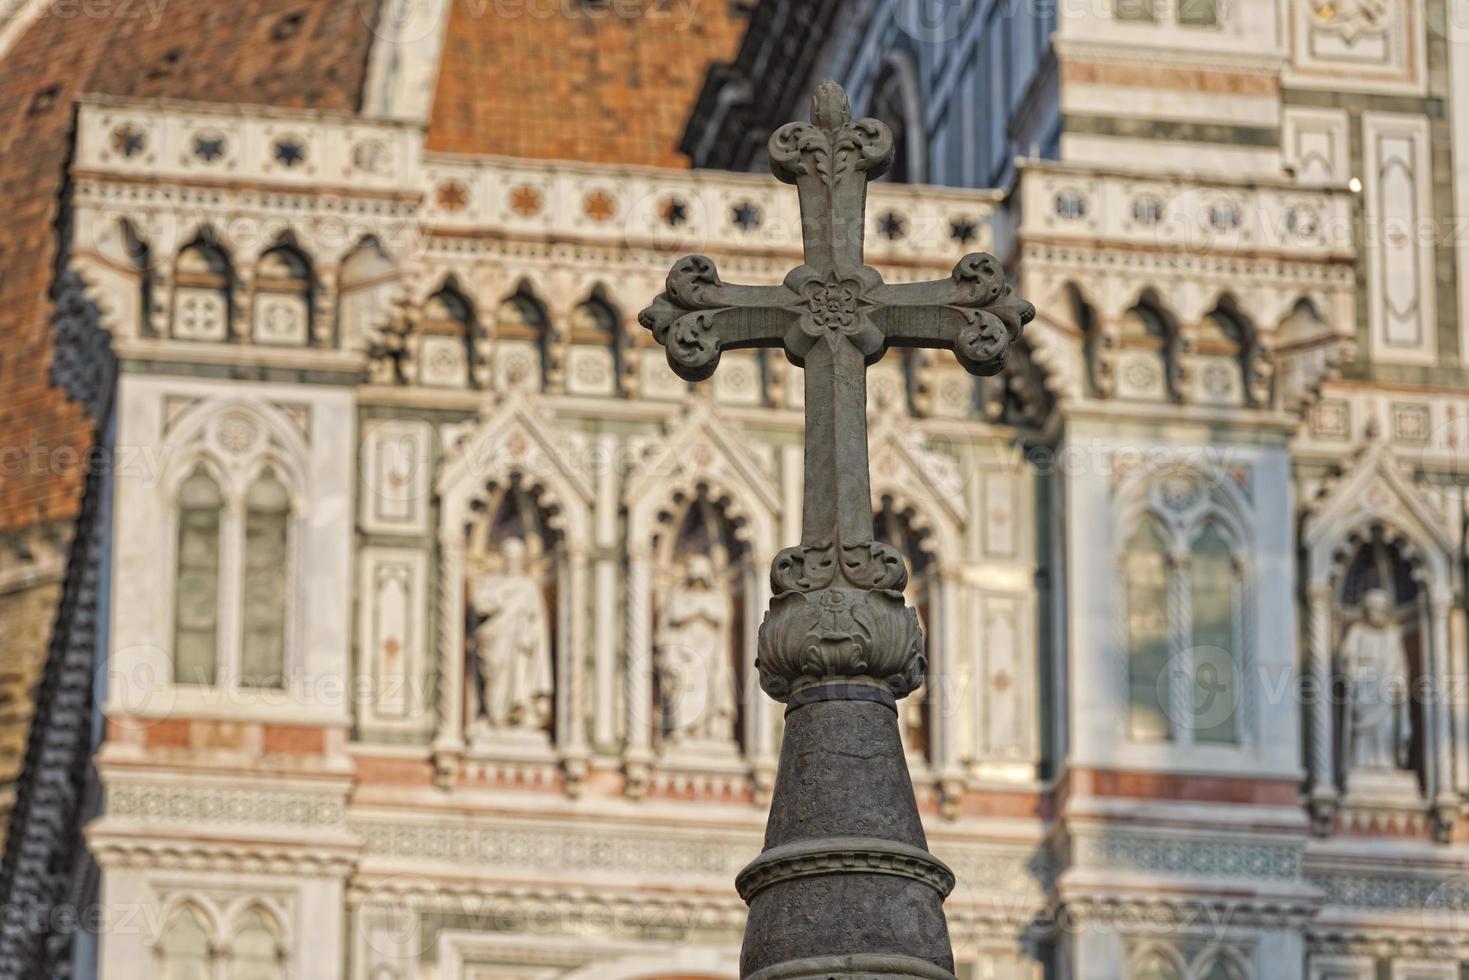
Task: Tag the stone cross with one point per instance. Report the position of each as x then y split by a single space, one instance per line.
839 642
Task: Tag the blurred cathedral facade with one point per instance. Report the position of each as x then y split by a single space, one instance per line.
403 624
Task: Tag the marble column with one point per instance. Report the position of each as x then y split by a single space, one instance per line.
1441 750
638 754
449 741
945 675
1323 795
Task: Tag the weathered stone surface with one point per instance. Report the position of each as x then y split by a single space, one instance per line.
843 775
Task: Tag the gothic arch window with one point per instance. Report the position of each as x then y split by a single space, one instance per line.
895 101
282 304
256 951
364 288
524 350
1215 619
594 360
1185 624
185 950
196 590
897 526
234 503
266 573
447 338
202 301
1156 963
1146 570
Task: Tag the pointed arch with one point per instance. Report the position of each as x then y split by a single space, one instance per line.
199 505
596 353
366 282
203 291
447 344
514 447
1223 963
256 947
1157 961
1186 599
1148 331
237 491
525 347
1234 367
282 304
704 448
186 944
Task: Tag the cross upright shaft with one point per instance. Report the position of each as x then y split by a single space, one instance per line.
839 642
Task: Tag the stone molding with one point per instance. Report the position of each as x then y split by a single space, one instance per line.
1189 857
171 803
313 860
846 855
520 198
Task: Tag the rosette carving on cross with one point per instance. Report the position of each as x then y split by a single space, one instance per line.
838 611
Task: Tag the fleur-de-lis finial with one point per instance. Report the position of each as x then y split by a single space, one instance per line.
830 109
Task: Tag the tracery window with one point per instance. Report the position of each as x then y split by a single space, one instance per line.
234 559
1148 645
196 591
1215 613
1156 964
1184 603
184 948
267 519
256 952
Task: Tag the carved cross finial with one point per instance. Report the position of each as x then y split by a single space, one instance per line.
838 609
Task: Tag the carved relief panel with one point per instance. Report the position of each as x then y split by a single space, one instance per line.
1400 253
1376 44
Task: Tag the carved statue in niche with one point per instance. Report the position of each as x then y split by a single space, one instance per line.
512 645
695 680
1373 661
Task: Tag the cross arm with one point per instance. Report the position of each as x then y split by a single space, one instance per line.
974 312
697 316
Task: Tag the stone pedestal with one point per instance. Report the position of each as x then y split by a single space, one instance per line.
1379 787
845 887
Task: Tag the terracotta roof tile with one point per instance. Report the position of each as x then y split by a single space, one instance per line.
277 52
578 79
